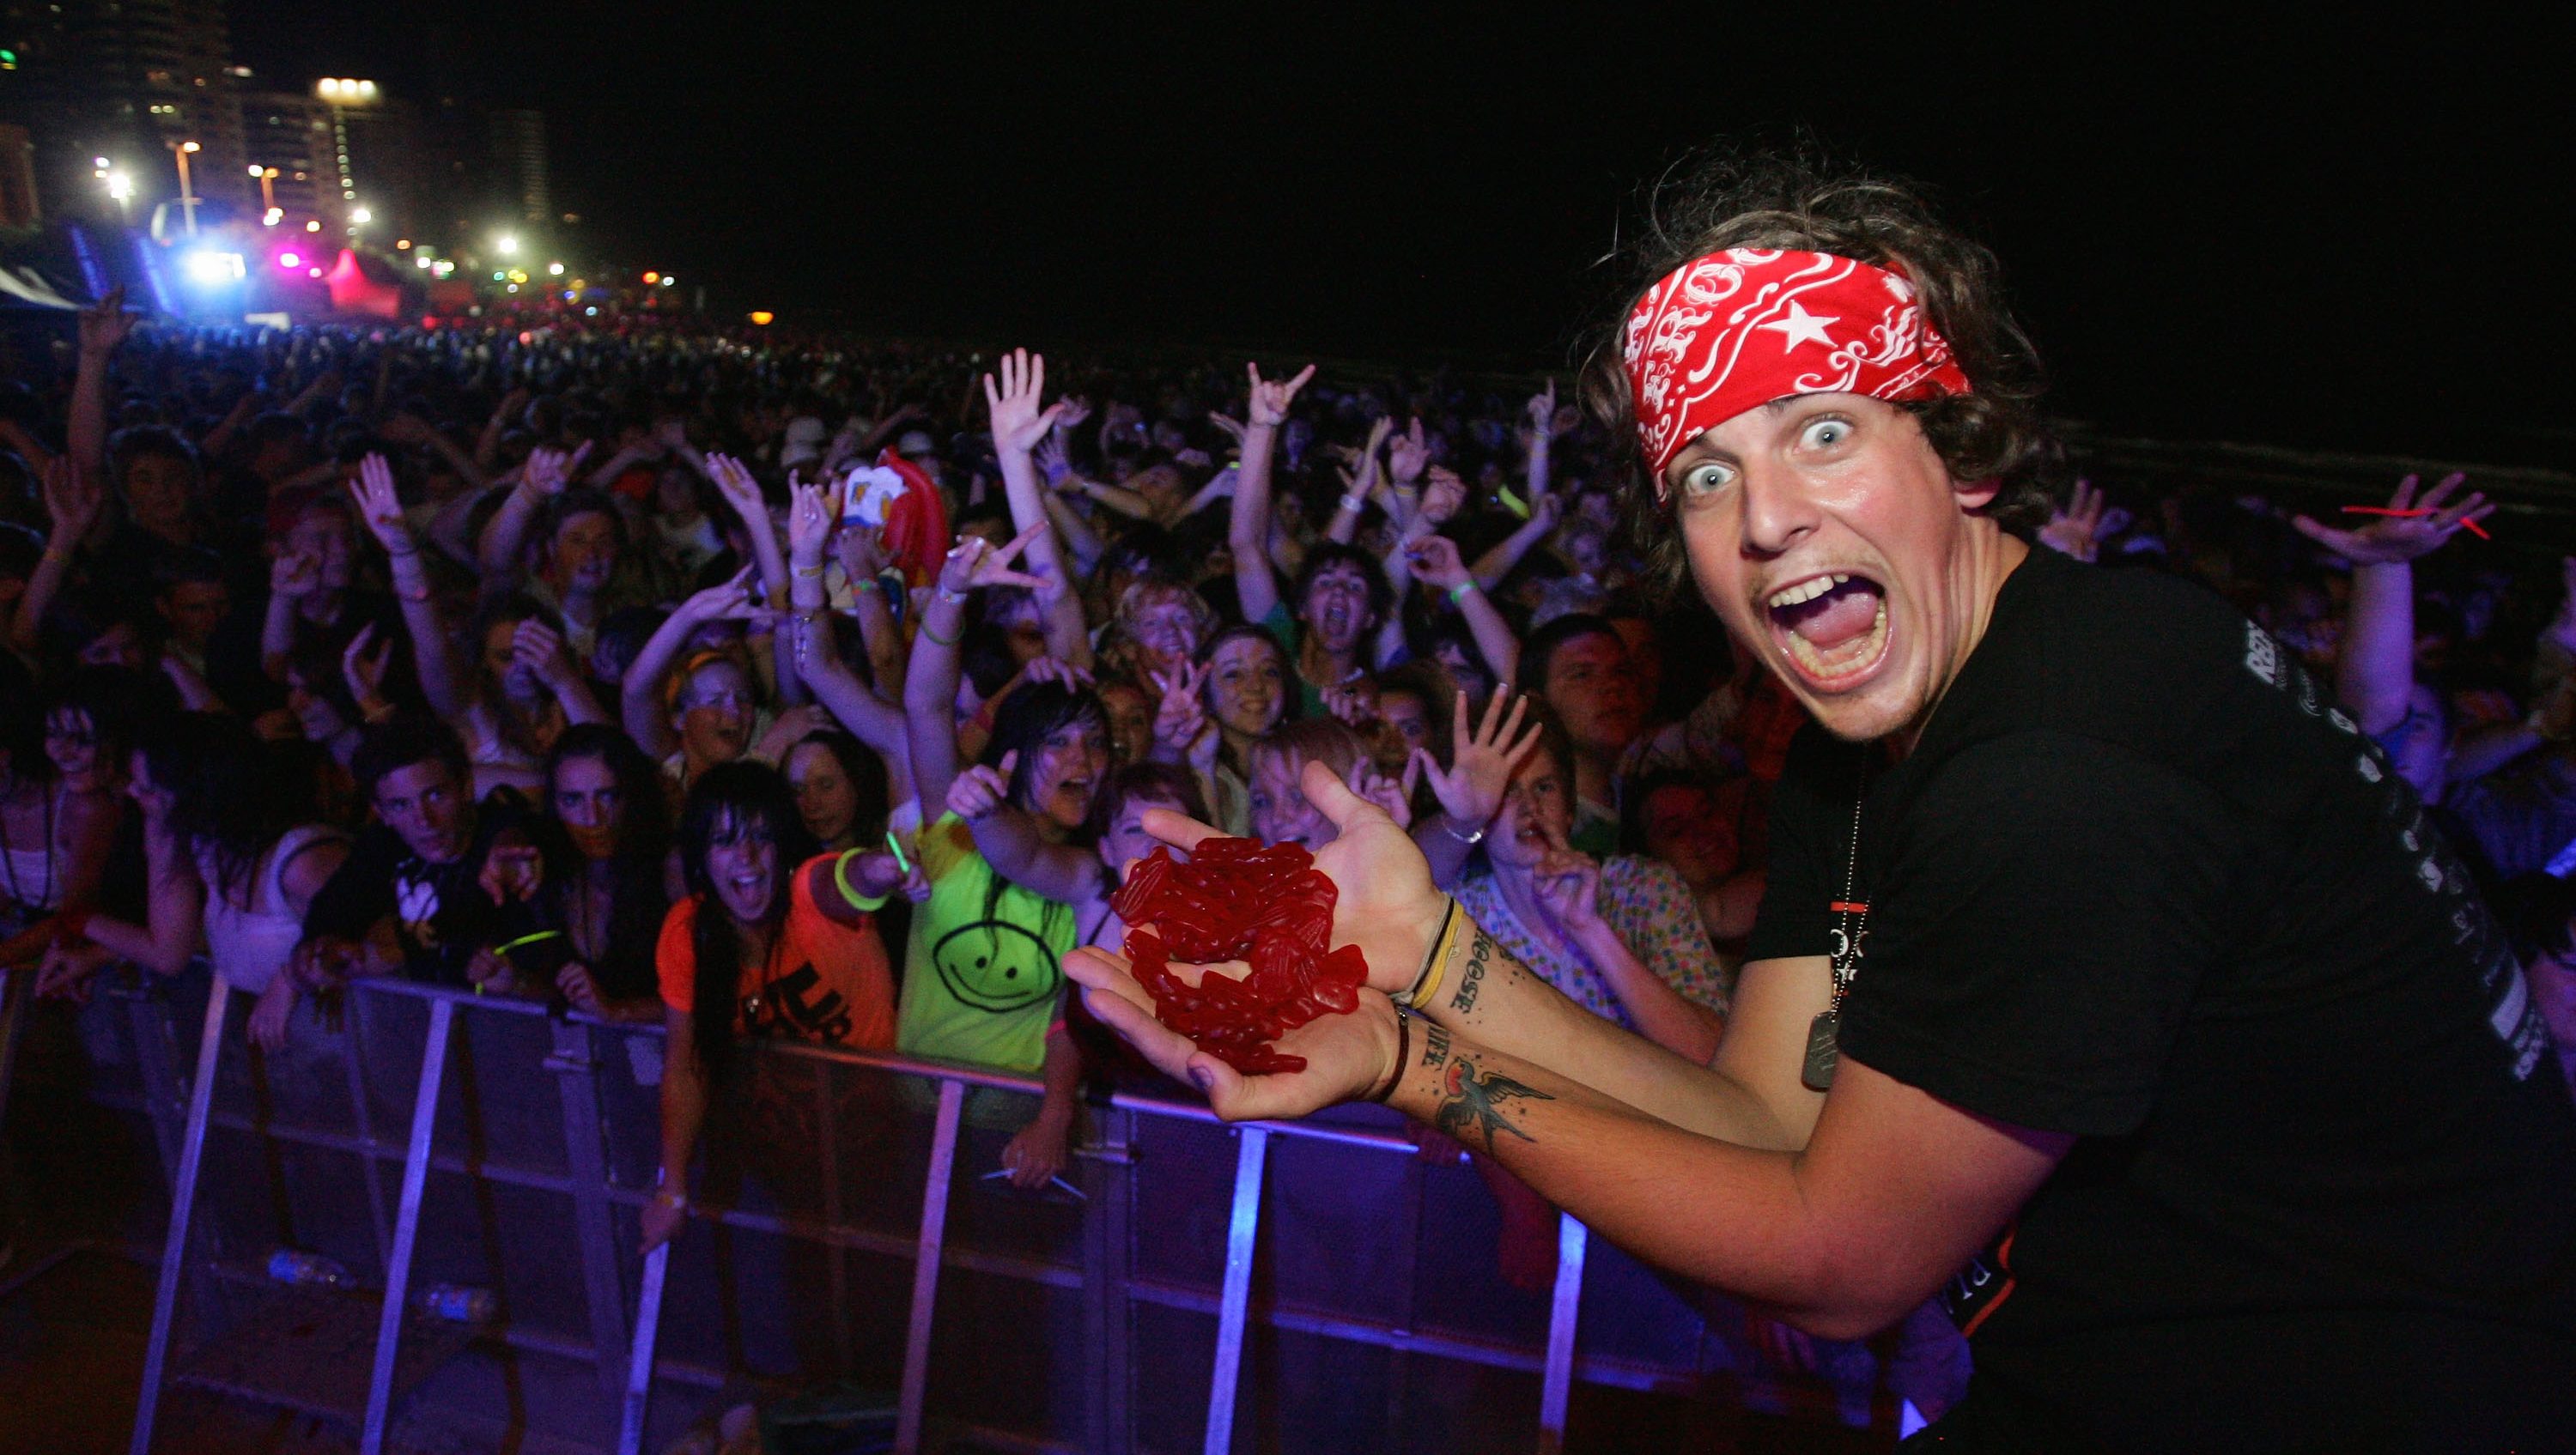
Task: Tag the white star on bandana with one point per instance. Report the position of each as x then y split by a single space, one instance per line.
1801 327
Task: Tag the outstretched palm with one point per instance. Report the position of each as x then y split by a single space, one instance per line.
2393 538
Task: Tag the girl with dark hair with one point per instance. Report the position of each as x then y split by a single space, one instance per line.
604 885
231 859
1005 864
61 809
771 940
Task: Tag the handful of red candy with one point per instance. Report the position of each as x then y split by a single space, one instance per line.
1239 899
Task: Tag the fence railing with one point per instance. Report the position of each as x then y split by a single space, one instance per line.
537 1192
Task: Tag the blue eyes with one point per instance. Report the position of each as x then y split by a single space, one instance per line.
1703 479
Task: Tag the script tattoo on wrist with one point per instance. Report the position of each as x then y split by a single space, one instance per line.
1435 1049
1471 1102
1480 957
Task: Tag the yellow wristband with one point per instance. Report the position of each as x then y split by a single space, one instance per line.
1436 969
849 892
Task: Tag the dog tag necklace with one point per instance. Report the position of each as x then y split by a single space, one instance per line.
1823 1033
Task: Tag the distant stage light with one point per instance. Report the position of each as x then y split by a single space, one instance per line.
505 244
313 272
210 268
762 316
290 260
314 226
555 269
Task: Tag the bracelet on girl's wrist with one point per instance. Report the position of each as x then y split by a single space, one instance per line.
809 573
953 598
940 640
1354 504
1449 826
1458 593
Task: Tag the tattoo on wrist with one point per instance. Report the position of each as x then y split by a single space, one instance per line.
1480 957
1475 1104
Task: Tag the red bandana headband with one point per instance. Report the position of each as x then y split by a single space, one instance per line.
1724 333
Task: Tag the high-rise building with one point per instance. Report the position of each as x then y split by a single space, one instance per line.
130 81
519 146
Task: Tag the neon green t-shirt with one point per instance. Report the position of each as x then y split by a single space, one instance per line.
981 981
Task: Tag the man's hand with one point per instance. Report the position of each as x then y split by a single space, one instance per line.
1482 761
68 971
862 552
1268 408
490 974
1569 885
2390 539
540 648
1018 423
733 480
1388 905
294 576
1347 1056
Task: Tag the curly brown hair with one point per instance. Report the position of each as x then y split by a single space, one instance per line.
1775 199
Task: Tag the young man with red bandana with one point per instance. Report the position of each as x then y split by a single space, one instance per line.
2107 978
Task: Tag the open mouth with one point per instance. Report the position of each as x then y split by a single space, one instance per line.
1832 626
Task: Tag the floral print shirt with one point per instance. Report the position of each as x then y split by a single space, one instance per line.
1653 912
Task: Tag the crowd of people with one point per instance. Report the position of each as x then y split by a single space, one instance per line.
817 690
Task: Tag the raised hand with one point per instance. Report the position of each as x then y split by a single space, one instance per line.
1181 723
549 471
733 481
511 871
1543 423
1393 796
862 552
1063 674
1050 459
1070 412
812 510
974 564
540 648
1232 427
2076 530
294 575
1436 564
2389 539
1018 423
1407 455
1481 761
72 500
728 601
105 325
379 507
1270 398
1569 885
1356 706
362 666
982 790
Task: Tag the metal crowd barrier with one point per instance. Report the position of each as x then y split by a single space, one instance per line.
257 1153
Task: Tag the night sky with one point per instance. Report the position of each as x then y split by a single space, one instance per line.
2289 234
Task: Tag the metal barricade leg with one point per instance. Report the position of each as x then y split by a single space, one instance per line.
586 1159
925 1268
1563 1311
1108 1220
10 1016
1236 1301
639 1357
424 1122
183 1201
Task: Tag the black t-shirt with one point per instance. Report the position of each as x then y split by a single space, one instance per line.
440 911
2141 883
